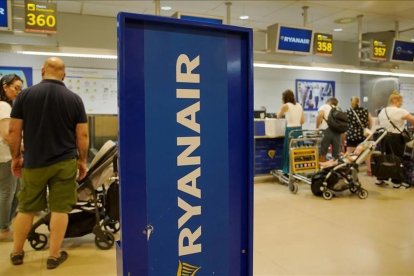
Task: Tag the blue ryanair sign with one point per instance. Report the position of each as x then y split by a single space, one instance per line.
186 147
290 39
5 15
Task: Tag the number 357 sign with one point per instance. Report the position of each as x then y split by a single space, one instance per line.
40 17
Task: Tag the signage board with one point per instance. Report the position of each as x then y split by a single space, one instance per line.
323 44
286 39
40 17
378 50
5 15
185 99
402 51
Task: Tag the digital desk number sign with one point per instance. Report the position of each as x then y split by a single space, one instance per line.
323 44
379 50
40 17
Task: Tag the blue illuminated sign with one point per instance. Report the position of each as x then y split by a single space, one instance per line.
297 40
5 15
186 147
402 51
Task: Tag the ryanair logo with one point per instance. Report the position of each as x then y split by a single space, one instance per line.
185 269
292 39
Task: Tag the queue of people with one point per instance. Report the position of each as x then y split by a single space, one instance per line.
392 118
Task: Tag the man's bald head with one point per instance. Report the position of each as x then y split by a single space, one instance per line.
53 68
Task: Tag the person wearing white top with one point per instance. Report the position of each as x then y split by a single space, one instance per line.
295 118
10 86
393 143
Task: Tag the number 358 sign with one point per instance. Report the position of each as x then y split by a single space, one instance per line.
40 17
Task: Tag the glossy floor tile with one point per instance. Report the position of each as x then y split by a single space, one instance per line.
294 234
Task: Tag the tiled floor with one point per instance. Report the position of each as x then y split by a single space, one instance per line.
294 235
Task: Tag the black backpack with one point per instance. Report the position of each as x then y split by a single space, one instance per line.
337 120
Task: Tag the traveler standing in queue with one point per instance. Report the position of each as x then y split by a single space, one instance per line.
53 123
393 141
10 87
295 118
330 137
358 119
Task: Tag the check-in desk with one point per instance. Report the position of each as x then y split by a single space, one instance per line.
268 138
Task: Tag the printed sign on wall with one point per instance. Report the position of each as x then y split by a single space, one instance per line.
311 94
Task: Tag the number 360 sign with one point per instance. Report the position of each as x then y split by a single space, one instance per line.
40 17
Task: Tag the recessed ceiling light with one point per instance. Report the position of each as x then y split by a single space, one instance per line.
345 20
412 39
166 8
338 30
244 17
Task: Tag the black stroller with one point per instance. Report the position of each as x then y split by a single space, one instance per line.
343 174
97 209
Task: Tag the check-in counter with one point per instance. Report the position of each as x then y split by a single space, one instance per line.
268 137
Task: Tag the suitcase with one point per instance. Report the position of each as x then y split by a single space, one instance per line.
386 166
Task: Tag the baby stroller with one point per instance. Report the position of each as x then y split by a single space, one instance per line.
97 207
342 174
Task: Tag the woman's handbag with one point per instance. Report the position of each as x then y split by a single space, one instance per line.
367 132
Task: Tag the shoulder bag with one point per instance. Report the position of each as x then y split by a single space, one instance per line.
405 135
367 131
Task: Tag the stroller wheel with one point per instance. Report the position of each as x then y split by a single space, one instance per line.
104 240
327 195
363 194
353 189
37 241
112 226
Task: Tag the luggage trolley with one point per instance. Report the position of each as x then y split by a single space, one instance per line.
303 158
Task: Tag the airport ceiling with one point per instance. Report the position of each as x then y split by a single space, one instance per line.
322 16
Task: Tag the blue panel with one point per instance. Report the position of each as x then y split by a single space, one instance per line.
294 39
154 138
4 15
259 128
268 155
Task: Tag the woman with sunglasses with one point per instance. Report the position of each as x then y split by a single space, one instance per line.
10 87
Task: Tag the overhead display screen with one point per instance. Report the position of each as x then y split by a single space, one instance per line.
40 17
294 40
402 51
323 44
5 15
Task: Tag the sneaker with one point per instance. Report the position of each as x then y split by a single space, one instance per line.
6 236
396 185
53 262
379 182
17 258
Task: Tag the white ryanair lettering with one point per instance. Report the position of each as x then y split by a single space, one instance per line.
187 184
1 11
295 39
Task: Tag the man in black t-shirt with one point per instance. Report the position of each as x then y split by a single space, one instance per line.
53 123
